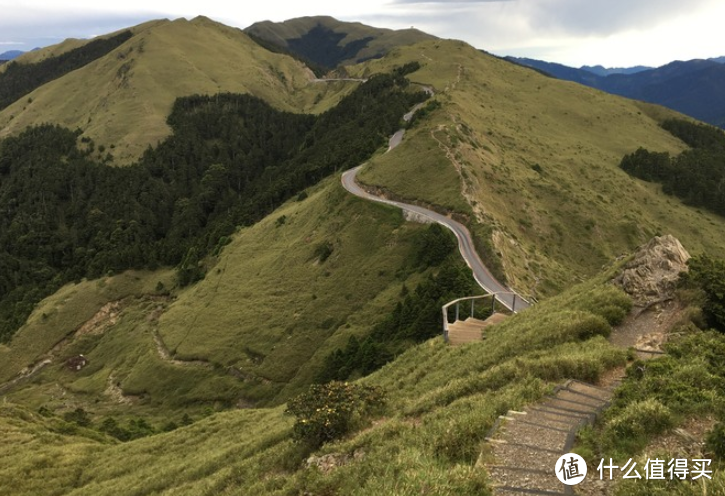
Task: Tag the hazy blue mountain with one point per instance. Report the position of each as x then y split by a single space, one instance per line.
558 71
608 71
693 87
11 54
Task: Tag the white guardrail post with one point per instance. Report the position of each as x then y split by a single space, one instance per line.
457 303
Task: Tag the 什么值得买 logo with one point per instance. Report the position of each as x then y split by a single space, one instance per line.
571 469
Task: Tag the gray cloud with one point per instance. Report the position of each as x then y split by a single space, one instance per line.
29 29
602 18
446 2
566 31
573 17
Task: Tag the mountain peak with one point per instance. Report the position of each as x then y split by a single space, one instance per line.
142 78
329 42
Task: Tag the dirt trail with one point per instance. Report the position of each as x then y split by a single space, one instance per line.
165 355
114 391
101 322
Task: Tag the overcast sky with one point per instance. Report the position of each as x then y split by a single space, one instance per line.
614 33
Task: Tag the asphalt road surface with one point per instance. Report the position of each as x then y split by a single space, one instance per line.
483 276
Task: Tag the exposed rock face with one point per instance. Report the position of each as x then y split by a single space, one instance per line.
328 463
652 276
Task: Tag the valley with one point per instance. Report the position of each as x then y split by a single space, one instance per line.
223 233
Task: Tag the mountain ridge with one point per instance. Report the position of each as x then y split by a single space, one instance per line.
330 42
11 54
693 87
140 80
166 401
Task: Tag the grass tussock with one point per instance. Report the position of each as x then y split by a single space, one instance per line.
441 402
656 397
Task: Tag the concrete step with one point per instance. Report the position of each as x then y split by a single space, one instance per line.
470 330
463 337
525 457
525 479
589 390
519 432
571 417
568 407
581 400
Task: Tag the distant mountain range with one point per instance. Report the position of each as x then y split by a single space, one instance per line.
11 54
694 87
608 71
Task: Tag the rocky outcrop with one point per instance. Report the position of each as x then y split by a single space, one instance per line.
328 463
651 277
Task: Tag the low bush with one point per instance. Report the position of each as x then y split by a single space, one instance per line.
646 417
330 411
715 442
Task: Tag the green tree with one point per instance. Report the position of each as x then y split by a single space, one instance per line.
709 274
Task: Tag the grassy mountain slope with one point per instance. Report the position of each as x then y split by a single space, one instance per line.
536 160
122 100
441 403
330 42
69 44
255 330
531 160
271 302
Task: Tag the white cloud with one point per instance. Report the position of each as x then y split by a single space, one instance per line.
575 32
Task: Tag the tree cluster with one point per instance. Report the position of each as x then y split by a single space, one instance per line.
696 176
231 160
708 274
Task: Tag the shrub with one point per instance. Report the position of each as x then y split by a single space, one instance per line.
647 417
330 411
715 441
78 416
709 274
323 251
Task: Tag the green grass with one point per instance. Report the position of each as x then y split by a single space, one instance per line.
255 330
122 100
536 159
272 309
656 397
442 401
428 175
60 315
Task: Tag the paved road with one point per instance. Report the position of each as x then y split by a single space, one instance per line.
465 244
483 276
332 80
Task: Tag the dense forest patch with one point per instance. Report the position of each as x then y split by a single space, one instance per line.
232 159
696 176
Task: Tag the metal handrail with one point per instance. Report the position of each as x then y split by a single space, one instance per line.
494 298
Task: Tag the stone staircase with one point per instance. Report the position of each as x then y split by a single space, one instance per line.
523 447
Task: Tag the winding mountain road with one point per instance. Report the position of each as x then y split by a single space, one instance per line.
481 274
